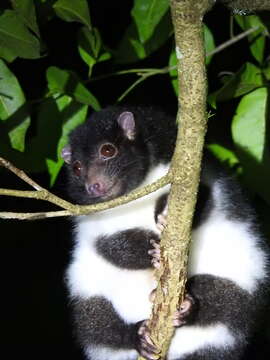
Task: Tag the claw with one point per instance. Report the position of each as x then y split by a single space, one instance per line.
155 254
162 220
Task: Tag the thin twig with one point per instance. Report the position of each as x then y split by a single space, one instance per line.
33 216
70 209
233 41
132 86
21 174
40 193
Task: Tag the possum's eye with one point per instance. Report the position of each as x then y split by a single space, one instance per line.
77 167
108 151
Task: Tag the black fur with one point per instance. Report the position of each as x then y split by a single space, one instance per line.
215 354
127 249
214 308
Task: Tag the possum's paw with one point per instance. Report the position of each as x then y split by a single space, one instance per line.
145 345
182 315
155 253
162 219
152 295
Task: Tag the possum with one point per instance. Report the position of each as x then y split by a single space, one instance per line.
110 278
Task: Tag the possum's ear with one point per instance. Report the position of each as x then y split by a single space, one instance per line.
127 123
66 154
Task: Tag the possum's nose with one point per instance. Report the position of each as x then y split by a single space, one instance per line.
96 189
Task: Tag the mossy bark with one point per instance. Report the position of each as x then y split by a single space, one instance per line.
187 17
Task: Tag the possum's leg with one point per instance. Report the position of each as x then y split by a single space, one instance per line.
101 332
218 325
105 336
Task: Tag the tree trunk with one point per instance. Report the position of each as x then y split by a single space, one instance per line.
187 17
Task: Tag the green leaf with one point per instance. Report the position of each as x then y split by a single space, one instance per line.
249 125
66 83
12 107
131 49
224 154
16 39
266 72
147 14
249 131
248 78
173 73
48 131
73 11
72 114
257 38
90 47
6 53
105 56
209 43
26 10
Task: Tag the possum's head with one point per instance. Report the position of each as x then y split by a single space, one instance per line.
106 157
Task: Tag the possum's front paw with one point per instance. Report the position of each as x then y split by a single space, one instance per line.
162 219
183 314
155 254
145 345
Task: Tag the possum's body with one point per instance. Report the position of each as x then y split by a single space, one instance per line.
110 276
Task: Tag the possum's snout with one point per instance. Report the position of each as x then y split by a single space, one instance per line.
97 189
101 187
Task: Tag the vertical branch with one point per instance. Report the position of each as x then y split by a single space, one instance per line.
185 168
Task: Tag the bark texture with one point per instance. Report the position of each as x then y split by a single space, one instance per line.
187 17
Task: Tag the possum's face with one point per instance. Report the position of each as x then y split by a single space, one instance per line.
106 157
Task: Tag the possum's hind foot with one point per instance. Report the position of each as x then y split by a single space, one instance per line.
145 345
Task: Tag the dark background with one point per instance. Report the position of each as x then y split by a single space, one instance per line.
34 314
